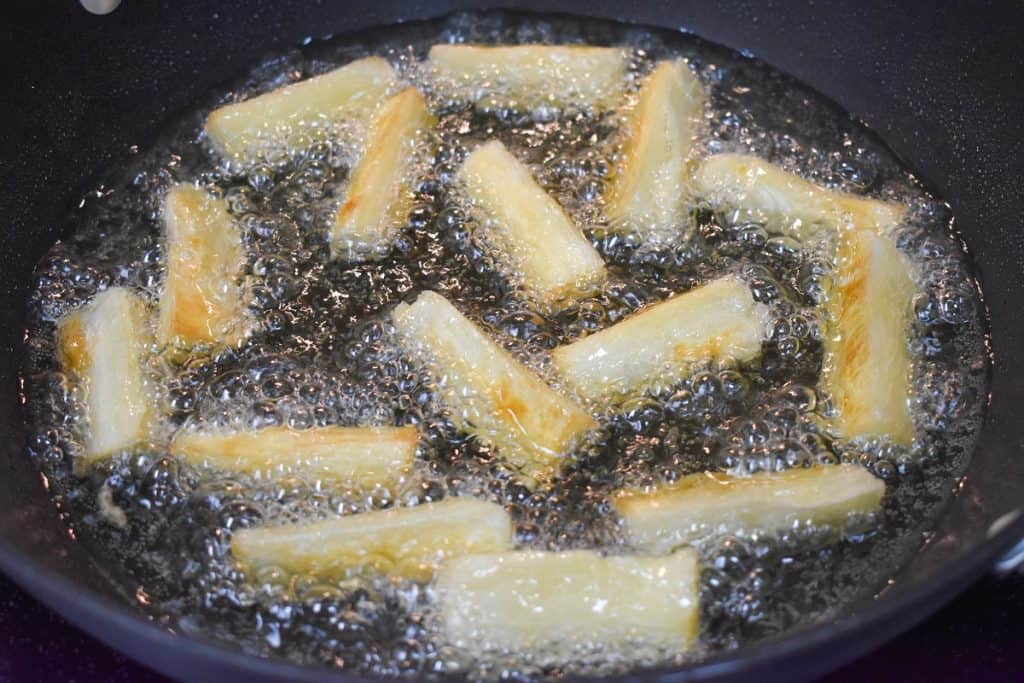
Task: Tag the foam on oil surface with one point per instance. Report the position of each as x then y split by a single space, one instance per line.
324 353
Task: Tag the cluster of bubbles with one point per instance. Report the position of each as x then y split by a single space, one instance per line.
323 352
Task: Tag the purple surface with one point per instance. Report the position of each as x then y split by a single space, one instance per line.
979 637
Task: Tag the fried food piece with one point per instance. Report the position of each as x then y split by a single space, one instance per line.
202 301
525 77
364 456
867 368
378 198
547 602
659 344
275 121
707 503
102 346
406 542
529 233
762 192
648 195
491 394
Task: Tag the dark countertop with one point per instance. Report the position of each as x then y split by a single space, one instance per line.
978 637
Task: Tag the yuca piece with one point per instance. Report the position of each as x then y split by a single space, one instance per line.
378 198
407 542
532 236
274 121
647 195
549 602
867 363
525 77
365 456
102 346
658 345
703 504
758 190
491 395
202 301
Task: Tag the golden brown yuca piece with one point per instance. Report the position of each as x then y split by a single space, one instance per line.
529 233
659 345
408 542
542 602
102 345
525 77
202 301
867 367
709 503
757 190
275 121
378 198
648 194
364 456
491 395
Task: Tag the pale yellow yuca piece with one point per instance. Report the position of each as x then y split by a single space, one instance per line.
365 456
758 190
408 542
102 345
274 121
708 503
378 198
525 77
541 602
659 345
647 195
867 362
491 395
202 301
532 237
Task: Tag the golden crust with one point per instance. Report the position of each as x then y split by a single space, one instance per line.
529 233
378 198
202 301
364 456
708 503
867 363
407 542
491 394
647 195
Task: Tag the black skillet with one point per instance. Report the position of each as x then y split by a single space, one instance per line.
940 82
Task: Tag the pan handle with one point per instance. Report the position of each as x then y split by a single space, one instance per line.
1013 559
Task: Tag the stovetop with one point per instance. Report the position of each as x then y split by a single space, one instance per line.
978 637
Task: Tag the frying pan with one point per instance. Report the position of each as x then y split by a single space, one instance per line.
941 84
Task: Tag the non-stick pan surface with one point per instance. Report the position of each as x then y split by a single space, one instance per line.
941 84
